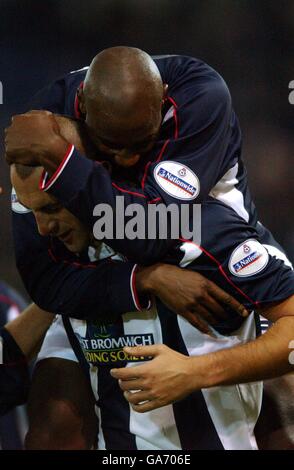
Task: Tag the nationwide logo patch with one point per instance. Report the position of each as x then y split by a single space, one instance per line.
177 180
245 262
248 259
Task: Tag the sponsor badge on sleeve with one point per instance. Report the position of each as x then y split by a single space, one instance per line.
248 259
177 180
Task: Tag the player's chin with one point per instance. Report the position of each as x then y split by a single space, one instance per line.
127 162
76 246
70 247
73 246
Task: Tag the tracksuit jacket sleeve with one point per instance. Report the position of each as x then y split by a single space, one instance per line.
62 283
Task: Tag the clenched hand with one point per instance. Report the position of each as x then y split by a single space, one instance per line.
189 294
34 139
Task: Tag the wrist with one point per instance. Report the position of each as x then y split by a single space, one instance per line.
203 372
219 367
54 154
147 278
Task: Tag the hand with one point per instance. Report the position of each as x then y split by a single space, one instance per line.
159 382
189 294
34 139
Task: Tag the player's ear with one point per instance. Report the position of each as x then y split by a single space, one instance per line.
81 101
165 88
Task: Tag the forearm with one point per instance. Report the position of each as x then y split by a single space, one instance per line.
261 359
29 329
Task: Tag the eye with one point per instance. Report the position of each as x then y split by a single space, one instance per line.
52 209
140 148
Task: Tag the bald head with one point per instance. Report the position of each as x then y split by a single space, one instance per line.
122 96
121 78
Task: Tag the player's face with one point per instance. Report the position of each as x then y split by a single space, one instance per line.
124 140
52 219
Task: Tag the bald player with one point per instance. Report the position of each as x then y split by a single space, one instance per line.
144 114
167 121
122 101
125 100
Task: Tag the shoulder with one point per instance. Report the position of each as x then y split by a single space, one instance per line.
219 218
58 96
223 232
192 77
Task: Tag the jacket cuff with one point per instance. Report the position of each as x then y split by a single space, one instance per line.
70 176
141 302
124 295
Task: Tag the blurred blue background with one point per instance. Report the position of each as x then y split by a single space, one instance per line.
250 43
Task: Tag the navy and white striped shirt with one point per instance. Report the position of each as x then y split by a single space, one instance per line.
231 255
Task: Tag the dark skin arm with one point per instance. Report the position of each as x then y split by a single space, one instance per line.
198 300
34 139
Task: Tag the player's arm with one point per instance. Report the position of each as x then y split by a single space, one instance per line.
29 328
266 357
80 184
19 342
267 285
58 284
242 264
171 376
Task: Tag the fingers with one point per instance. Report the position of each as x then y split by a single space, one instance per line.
144 407
214 308
197 322
137 397
127 373
147 406
127 385
38 111
144 351
41 114
227 300
131 373
206 314
142 401
34 112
